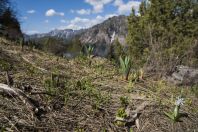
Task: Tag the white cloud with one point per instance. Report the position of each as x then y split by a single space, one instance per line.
98 8
31 32
126 7
98 5
31 11
70 26
84 11
52 12
79 20
81 23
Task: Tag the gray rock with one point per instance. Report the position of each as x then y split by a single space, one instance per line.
184 75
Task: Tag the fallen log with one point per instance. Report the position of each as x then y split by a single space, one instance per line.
6 89
31 104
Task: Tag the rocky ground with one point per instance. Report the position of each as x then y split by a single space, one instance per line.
57 94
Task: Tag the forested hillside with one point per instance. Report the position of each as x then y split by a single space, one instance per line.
164 34
9 23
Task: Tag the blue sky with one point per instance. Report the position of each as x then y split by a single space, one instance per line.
40 16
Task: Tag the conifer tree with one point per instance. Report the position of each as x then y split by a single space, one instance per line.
167 30
9 23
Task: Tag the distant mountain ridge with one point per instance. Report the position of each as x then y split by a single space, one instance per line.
98 34
63 34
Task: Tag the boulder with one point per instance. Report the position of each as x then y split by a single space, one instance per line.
184 75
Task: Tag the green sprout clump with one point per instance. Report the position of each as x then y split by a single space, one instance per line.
89 50
125 66
121 114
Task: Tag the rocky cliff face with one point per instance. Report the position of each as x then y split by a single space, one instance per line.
65 34
101 33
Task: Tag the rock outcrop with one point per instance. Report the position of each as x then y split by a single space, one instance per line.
184 75
101 33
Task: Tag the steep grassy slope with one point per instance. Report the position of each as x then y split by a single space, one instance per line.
75 96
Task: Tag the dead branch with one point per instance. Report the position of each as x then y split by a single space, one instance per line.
29 102
9 79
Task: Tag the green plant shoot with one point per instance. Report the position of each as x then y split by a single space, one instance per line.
125 66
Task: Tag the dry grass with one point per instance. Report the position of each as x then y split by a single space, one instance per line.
88 96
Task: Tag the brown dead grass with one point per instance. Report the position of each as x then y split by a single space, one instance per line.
79 112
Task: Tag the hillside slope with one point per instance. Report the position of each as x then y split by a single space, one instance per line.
75 96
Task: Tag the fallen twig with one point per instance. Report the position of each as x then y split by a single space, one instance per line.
29 102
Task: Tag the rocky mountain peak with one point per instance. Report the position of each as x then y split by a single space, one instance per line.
98 34
101 33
